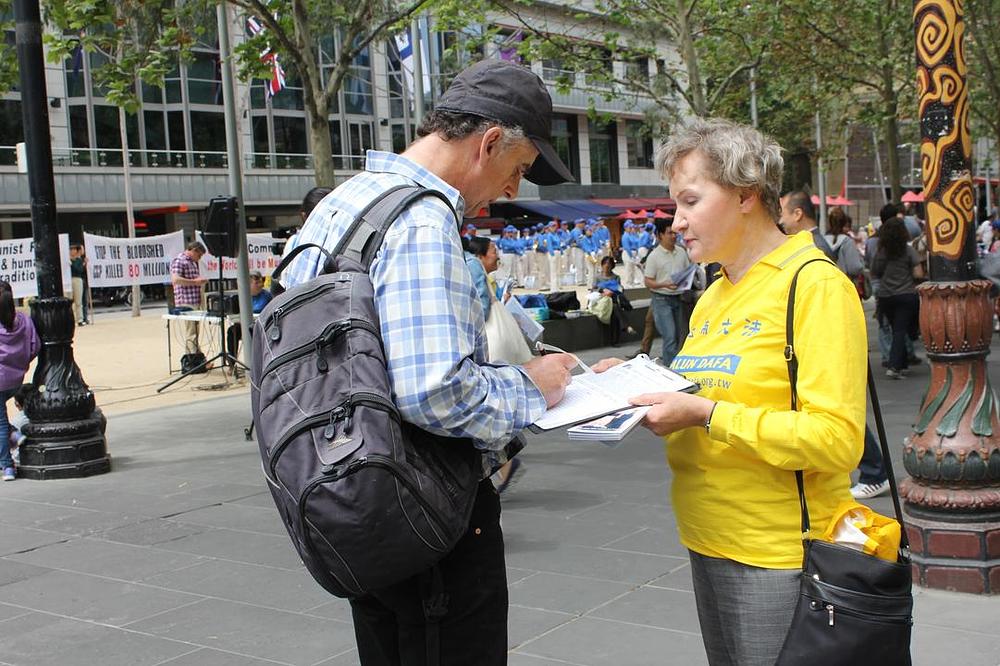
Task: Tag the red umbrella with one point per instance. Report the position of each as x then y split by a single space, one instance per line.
660 215
913 197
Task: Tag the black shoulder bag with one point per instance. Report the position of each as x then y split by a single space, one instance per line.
853 608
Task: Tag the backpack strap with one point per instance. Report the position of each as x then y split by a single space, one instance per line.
363 238
298 249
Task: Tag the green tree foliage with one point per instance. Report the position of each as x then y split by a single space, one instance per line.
983 50
136 39
297 29
8 56
862 53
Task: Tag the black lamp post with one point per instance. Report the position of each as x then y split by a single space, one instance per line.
65 436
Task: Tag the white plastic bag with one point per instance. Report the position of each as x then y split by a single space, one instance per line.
504 337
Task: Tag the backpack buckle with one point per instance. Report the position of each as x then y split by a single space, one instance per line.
789 353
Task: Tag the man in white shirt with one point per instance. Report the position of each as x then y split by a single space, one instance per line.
665 261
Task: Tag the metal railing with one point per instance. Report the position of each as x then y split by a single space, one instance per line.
182 159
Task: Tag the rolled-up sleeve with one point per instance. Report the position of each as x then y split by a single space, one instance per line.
431 328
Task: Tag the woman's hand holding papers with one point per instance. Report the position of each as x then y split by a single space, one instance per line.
670 412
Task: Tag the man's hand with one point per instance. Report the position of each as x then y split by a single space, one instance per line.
606 364
550 373
200 280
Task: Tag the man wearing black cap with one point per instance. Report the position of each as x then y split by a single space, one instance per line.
488 130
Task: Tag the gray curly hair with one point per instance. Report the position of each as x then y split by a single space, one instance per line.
738 157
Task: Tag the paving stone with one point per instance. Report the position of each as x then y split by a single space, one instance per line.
8 612
651 541
252 630
592 642
267 549
567 594
526 530
236 517
209 657
526 624
37 639
92 598
934 646
272 588
26 539
595 563
679 579
12 572
151 531
94 556
654 607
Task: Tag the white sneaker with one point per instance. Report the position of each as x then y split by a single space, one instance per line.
869 490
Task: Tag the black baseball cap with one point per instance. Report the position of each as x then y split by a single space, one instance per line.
513 95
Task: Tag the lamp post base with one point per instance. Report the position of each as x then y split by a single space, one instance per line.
959 556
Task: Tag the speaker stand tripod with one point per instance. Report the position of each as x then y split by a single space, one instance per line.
226 357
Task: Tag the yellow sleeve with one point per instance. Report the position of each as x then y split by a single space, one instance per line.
827 433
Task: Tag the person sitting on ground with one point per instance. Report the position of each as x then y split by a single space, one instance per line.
259 298
19 344
18 421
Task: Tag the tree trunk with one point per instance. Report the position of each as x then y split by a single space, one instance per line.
892 149
319 144
695 92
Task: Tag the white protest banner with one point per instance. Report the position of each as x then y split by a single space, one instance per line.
119 262
260 257
17 265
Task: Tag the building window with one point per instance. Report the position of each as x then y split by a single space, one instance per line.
637 70
358 86
337 145
208 138
11 129
639 145
603 153
290 141
555 71
361 141
566 142
204 79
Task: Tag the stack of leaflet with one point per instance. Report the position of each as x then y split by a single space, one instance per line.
609 429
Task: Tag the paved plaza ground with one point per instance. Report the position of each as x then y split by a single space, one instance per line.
177 556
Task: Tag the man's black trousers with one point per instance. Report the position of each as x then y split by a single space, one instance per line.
390 624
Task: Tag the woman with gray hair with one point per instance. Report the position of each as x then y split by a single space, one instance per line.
734 447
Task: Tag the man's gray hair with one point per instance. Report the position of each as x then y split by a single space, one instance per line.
737 156
449 125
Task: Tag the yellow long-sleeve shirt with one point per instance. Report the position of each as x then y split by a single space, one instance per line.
734 488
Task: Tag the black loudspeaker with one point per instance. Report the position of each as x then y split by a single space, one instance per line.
218 227
223 304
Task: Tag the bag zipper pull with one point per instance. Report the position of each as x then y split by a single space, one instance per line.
331 430
321 363
275 333
829 609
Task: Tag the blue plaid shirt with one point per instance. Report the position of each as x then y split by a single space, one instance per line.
429 312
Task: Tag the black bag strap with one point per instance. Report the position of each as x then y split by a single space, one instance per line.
364 237
296 251
435 605
793 372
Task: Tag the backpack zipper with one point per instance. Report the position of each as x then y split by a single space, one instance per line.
274 319
326 338
347 407
375 460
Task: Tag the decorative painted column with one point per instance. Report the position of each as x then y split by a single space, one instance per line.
952 497
65 436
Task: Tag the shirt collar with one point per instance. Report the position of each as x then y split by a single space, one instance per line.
781 256
377 161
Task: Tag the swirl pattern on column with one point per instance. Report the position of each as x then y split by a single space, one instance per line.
946 146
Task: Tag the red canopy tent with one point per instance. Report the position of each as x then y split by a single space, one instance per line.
913 197
643 213
660 215
627 215
833 201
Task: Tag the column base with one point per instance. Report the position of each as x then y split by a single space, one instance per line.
960 557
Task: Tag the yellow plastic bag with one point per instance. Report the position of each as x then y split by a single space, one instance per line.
856 526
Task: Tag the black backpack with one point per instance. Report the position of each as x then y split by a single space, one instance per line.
368 499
